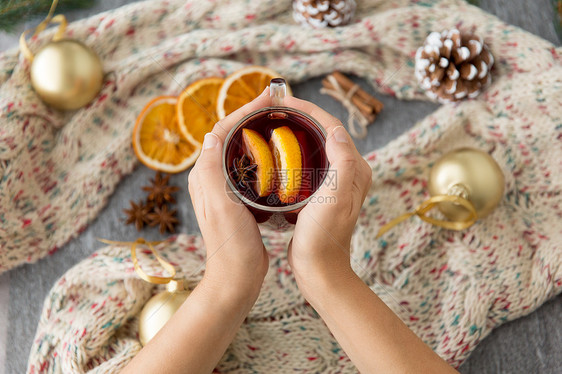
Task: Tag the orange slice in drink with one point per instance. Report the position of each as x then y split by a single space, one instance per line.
197 108
243 86
288 162
158 141
257 149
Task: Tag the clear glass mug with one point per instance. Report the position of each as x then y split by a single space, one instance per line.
268 210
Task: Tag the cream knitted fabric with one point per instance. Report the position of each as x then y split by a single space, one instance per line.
451 288
56 169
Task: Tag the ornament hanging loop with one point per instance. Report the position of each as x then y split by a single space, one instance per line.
141 273
161 307
431 203
465 184
60 19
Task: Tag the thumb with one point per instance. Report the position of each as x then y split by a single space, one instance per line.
342 158
210 153
209 167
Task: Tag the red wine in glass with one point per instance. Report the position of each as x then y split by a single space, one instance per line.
241 167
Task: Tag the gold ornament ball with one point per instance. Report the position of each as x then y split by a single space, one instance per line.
469 173
66 74
159 309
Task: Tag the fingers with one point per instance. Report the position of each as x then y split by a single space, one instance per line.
349 177
324 118
341 155
223 126
206 180
209 163
328 121
365 178
352 174
208 168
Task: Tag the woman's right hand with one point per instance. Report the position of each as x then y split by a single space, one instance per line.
373 337
320 249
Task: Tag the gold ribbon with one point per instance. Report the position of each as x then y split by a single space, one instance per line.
149 278
429 204
60 19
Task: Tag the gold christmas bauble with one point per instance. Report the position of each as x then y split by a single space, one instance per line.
66 74
159 309
471 174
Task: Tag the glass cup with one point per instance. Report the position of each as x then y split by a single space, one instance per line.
269 210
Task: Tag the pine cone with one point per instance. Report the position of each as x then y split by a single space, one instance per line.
323 13
451 66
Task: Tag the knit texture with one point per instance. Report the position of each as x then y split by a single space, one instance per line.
451 288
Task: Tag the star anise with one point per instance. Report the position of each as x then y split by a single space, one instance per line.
160 192
138 214
163 217
243 171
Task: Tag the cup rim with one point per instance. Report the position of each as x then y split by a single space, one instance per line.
244 199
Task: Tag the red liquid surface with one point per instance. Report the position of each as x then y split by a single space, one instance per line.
311 141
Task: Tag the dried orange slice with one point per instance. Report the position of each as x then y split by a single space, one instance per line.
243 86
288 162
157 140
197 108
257 149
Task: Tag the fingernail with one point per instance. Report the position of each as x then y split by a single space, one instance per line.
340 134
264 91
210 141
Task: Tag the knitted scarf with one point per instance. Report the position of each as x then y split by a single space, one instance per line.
451 288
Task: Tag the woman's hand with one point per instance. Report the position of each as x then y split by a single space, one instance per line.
319 251
237 262
236 258
319 255
373 337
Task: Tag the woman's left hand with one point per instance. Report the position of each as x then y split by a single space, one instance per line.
236 266
236 258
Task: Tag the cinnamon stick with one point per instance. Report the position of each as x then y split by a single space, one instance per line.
365 103
347 84
365 109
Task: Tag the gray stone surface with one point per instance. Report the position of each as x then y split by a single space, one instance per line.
528 345
4 300
9 40
535 16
